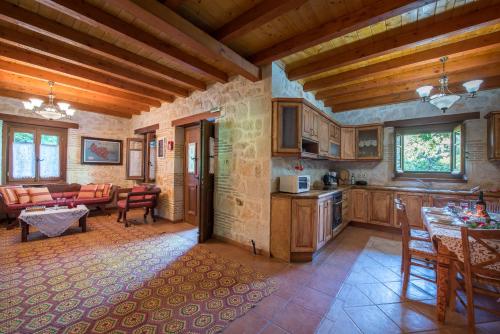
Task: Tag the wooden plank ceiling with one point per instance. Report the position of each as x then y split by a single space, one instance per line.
122 57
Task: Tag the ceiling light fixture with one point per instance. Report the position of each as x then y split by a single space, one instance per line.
445 99
49 110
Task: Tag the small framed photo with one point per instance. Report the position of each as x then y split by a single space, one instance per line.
101 151
161 147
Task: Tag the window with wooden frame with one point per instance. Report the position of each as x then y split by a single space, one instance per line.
430 152
35 154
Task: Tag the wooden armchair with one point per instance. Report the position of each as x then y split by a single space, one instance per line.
477 275
139 197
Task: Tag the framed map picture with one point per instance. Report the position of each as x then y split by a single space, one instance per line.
100 151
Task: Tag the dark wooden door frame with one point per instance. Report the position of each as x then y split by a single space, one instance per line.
206 210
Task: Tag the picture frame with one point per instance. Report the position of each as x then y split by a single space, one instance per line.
101 151
160 148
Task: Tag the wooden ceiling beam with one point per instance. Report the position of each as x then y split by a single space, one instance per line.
490 83
255 17
464 47
408 36
429 73
42 89
32 58
456 78
35 72
22 17
24 96
63 91
368 15
187 34
53 48
82 11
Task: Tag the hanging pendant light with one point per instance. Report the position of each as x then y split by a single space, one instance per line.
445 99
49 110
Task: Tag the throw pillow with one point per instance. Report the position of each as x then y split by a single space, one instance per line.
87 191
39 195
22 195
100 190
107 189
9 195
138 189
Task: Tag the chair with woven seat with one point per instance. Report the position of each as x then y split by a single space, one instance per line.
477 275
414 233
418 253
140 197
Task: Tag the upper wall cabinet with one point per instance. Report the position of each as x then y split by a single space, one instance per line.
287 126
369 145
493 133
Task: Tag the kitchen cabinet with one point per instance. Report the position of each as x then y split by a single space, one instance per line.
414 203
334 133
324 138
369 143
325 209
348 144
380 204
310 120
346 206
359 205
493 135
334 141
440 201
287 127
304 220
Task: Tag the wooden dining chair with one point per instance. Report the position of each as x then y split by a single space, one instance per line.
415 234
476 277
418 253
140 197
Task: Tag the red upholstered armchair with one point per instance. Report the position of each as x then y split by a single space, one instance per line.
139 197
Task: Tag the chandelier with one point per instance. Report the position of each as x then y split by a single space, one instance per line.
49 110
445 99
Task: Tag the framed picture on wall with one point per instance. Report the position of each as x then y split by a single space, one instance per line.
101 151
161 147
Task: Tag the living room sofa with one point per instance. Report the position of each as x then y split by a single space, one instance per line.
65 192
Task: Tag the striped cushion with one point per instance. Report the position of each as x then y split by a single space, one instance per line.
138 189
9 194
107 189
87 191
39 195
100 190
22 195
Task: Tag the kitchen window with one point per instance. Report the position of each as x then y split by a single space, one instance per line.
430 152
35 154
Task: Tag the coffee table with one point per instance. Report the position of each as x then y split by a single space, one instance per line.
53 222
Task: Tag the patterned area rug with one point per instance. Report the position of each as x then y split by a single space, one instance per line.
112 279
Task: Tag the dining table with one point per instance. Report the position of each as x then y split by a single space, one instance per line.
444 229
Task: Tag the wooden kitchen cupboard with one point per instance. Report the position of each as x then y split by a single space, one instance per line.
348 143
334 134
414 203
310 123
287 127
324 137
380 204
359 205
369 142
493 135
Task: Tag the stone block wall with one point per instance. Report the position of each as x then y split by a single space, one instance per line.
91 125
242 165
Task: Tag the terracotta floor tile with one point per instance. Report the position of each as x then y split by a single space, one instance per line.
378 293
287 289
344 325
413 292
297 320
370 319
329 285
248 324
336 310
354 297
359 278
383 274
325 327
313 300
268 307
273 329
409 319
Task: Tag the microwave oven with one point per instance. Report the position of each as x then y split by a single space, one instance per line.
295 183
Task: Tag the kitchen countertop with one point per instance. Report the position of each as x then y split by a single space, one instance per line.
318 193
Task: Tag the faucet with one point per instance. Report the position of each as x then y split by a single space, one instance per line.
427 185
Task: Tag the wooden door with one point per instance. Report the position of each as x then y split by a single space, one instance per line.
359 205
304 220
287 125
192 175
207 147
380 206
348 143
324 142
414 204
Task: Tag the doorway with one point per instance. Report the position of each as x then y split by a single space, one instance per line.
198 170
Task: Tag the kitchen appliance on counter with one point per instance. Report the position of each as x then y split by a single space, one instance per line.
330 181
295 183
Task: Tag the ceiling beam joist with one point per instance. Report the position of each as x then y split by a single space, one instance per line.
35 72
24 96
19 16
410 36
185 33
255 17
343 25
489 83
73 54
59 66
96 17
476 44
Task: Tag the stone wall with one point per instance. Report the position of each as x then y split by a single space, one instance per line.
242 165
479 170
92 125
282 87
